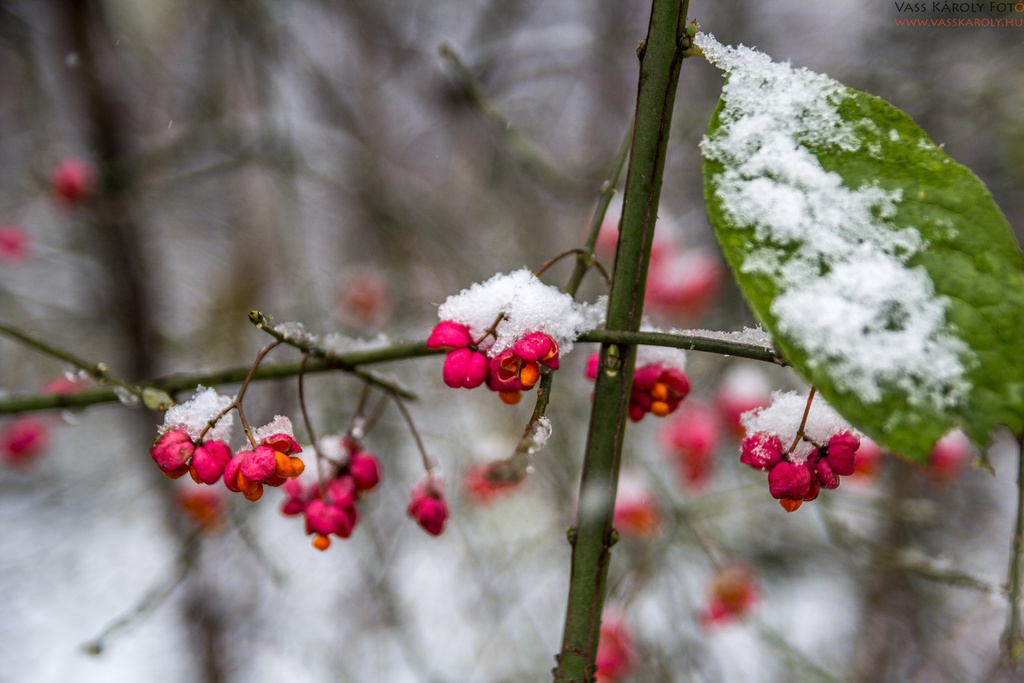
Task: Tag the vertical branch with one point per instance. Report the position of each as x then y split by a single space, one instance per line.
660 61
1013 639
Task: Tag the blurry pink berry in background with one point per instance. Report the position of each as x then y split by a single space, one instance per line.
23 440
683 285
427 506
203 506
743 388
73 180
14 244
64 385
297 497
480 489
616 656
692 440
733 593
949 457
365 301
867 461
636 511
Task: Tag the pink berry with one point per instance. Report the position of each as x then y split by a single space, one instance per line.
636 513
761 451
949 456
428 507
826 476
365 471
297 497
465 368
23 440
365 301
13 244
449 335
341 491
867 460
172 450
209 461
616 655
692 439
684 284
480 489
259 465
73 180
790 480
323 518
841 452
538 347
734 591
231 471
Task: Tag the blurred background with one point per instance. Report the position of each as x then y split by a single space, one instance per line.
167 166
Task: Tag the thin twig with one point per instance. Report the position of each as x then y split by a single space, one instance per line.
585 260
151 600
427 466
803 422
517 147
262 322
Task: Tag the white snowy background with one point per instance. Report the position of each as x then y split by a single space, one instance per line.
276 155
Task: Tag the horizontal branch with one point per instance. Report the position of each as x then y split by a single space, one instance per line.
354 359
710 343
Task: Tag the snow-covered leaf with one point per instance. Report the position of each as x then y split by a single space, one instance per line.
884 270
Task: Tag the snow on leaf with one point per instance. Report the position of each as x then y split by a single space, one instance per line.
885 272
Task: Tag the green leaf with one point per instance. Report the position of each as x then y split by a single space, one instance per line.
884 270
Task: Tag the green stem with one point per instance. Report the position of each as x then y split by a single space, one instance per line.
660 62
683 340
353 359
98 371
1013 639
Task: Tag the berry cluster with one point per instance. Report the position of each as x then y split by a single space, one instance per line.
428 506
510 372
791 481
330 507
272 462
657 389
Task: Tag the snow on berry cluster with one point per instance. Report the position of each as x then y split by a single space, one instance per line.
194 440
798 464
504 331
